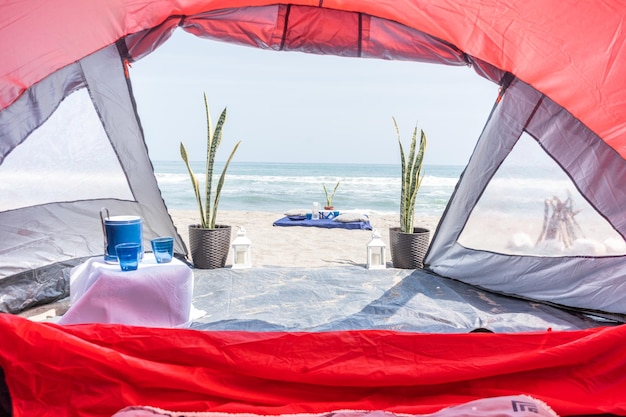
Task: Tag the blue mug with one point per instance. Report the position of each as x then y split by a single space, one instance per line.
120 229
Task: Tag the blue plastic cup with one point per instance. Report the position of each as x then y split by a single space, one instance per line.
128 255
163 249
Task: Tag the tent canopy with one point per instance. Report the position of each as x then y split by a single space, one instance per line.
67 112
549 46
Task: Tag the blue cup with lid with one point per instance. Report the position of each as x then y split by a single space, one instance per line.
120 229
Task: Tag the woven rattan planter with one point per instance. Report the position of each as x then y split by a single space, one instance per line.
408 249
209 247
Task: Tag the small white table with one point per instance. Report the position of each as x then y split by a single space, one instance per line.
155 295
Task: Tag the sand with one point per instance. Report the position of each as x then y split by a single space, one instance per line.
299 246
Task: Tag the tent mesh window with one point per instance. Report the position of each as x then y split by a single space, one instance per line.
531 207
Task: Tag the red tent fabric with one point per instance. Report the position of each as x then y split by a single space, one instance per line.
553 46
570 51
96 370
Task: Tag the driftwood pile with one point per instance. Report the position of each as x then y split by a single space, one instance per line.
559 223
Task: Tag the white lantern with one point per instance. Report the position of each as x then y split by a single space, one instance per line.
242 254
376 258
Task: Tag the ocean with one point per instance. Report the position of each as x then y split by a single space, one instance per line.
277 187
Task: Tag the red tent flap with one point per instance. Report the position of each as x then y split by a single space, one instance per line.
97 370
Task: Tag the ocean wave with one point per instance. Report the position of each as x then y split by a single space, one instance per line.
279 187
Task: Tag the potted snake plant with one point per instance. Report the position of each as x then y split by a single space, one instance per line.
209 242
408 244
330 196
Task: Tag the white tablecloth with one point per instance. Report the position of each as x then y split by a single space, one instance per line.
155 295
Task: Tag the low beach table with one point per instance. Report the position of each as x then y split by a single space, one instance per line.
324 223
154 295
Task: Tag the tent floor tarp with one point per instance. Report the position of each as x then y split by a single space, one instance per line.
352 297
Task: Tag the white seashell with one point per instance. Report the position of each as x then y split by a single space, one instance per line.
520 242
615 246
550 247
587 247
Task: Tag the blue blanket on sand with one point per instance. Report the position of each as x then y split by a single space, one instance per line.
325 223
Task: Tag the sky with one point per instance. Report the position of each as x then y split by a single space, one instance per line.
305 108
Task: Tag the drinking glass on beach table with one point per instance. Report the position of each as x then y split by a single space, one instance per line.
128 255
163 249
315 211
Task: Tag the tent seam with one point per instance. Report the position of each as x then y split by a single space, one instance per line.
360 36
284 35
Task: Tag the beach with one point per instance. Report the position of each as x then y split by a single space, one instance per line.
297 247
300 246
257 194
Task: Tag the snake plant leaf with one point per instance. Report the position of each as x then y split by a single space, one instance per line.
329 198
411 176
194 182
220 183
208 210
